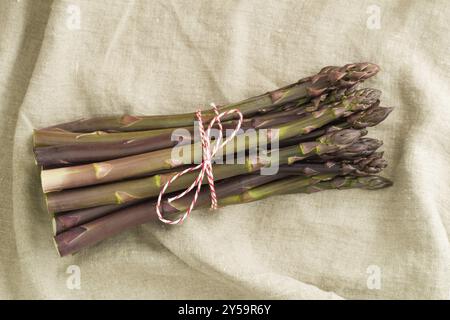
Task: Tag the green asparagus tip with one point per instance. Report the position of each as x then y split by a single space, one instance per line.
370 117
342 137
368 96
361 148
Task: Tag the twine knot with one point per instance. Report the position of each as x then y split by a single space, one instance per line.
205 166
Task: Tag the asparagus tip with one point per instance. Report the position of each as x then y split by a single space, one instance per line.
370 117
368 96
343 137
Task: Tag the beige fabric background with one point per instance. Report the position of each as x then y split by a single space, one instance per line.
155 57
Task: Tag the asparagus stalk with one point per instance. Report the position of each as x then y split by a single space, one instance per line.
138 165
359 120
364 166
329 78
66 220
361 100
362 148
52 137
120 192
301 184
346 182
296 108
83 236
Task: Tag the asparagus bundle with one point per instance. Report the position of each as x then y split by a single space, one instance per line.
102 175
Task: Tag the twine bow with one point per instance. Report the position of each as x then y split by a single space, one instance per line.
205 166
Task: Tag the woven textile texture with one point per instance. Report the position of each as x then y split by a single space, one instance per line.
62 60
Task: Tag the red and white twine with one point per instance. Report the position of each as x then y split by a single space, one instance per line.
205 166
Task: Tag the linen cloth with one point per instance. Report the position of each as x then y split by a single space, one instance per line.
62 60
